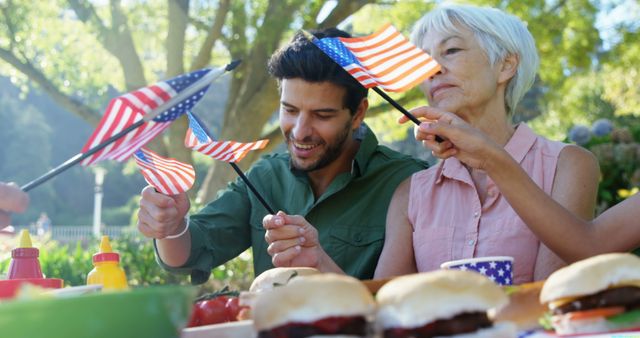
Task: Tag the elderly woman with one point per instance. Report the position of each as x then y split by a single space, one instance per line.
570 237
454 211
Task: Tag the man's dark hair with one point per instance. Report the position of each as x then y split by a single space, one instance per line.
301 59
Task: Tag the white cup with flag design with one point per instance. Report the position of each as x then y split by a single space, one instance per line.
497 268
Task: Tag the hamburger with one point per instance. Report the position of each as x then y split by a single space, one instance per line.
321 305
443 303
600 294
268 280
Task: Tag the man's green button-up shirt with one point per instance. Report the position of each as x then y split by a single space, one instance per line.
350 216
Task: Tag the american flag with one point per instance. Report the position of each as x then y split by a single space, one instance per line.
385 59
130 108
167 175
228 151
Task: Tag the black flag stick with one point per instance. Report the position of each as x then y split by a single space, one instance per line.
237 169
205 80
401 109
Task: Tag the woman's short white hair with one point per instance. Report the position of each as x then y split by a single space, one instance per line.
498 33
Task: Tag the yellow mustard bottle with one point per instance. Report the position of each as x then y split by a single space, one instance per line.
107 271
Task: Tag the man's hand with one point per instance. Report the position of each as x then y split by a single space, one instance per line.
12 199
292 241
160 215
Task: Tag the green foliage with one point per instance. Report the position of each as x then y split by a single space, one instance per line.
402 14
73 263
620 73
60 47
619 157
582 102
138 259
70 264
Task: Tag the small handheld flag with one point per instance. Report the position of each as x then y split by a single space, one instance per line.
228 151
169 176
129 108
199 134
385 59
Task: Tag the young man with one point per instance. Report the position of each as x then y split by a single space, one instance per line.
335 180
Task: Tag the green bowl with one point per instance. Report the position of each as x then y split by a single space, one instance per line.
157 312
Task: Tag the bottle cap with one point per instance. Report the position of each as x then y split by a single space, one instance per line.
25 239
105 254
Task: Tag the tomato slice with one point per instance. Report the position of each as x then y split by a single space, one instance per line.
594 313
213 311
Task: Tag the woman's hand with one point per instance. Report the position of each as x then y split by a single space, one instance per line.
461 140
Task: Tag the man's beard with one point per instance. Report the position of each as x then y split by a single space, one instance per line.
334 150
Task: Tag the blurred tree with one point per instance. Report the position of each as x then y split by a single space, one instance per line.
76 50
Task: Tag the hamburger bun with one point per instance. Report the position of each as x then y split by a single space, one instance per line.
590 276
266 281
278 277
311 298
415 300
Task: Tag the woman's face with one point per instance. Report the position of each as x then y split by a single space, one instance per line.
467 81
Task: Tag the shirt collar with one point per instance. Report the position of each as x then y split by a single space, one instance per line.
518 146
368 145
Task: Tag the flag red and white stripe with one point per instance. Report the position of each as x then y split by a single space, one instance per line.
228 151
123 112
126 110
386 59
169 176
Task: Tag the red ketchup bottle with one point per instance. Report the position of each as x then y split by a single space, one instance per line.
24 259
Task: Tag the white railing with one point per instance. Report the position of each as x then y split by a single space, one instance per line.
67 233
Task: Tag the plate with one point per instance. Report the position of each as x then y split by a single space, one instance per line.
9 287
241 329
76 290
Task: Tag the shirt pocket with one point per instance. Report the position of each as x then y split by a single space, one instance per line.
509 236
356 250
432 246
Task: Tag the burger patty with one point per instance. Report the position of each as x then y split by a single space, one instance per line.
356 326
627 296
463 323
